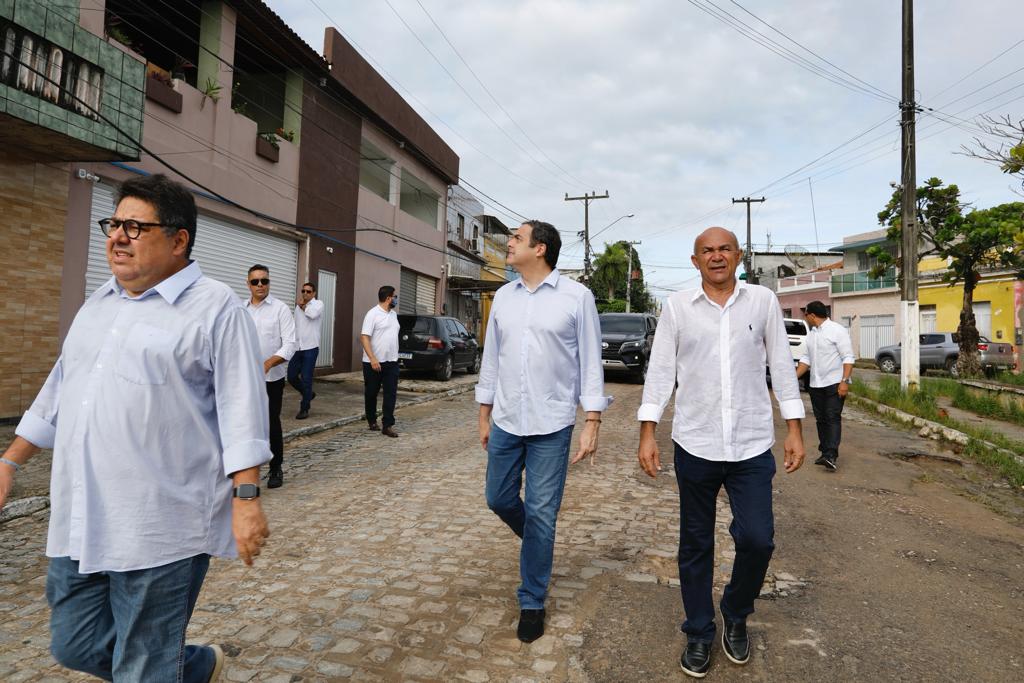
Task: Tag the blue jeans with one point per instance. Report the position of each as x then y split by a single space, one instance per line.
545 458
128 626
300 374
749 485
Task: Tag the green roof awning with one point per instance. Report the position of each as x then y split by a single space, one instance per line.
855 246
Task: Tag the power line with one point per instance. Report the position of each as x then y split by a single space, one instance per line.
964 78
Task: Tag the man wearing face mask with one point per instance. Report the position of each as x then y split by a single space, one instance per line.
379 338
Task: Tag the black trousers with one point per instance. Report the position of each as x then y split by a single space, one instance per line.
275 392
828 412
373 381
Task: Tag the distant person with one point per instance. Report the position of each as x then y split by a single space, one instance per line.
157 419
541 359
714 341
276 328
379 339
829 360
308 314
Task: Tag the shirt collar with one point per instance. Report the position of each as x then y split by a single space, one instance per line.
699 292
551 279
170 288
267 300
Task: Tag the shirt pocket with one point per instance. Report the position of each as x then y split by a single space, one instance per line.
146 355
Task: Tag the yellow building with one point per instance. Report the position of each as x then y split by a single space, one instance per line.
994 302
495 246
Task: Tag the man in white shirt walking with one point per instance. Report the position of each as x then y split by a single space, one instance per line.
156 414
275 327
541 359
829 359
379 338
714 340
308 312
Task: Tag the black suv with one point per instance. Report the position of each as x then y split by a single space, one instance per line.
438 344
626 340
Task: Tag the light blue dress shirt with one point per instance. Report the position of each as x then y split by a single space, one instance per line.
153 402
542 356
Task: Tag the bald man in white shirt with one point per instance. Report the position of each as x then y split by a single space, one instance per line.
714 341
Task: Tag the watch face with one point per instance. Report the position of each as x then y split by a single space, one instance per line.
247 491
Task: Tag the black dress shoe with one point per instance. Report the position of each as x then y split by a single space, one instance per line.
820 460
275 479
531 625
735 642
830 464
696 659
374 427
303 414
388 431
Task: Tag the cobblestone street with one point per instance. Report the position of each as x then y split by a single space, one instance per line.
384 564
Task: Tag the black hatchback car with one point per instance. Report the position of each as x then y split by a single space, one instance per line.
437 344
626 340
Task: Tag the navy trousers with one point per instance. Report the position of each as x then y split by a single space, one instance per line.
749 486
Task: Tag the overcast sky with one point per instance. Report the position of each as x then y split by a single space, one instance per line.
674 113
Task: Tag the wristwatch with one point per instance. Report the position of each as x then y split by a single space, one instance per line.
848 380
247 491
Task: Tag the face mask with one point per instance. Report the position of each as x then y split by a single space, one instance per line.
394 302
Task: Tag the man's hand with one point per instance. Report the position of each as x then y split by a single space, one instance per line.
794 447
843 389
375 364
647 453
250 528
588 440
485 425
6 482
267 364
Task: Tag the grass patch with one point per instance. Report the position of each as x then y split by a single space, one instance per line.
977 401
922 404
1009 378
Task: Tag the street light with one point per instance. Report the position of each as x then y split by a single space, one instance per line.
628 215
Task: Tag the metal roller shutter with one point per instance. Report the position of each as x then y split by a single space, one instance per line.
407 292
325 291
416 293
223 250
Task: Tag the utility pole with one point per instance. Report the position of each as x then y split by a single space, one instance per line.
629 273
910 365
586 199
748 254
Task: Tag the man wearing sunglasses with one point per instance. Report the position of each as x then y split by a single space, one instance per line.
156 417
275 327
307 331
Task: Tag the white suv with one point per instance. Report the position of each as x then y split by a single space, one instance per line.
797 331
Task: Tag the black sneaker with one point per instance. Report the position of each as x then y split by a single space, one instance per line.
275 480
531 625
820 460
302 415
735 642
830 464
696 659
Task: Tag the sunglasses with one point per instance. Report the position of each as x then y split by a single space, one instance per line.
256 281
307 291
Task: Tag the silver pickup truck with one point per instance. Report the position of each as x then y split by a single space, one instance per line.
940 350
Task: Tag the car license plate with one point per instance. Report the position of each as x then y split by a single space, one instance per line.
405 356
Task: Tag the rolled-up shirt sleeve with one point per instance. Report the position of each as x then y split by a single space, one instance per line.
844 346
661 369
780 363
485 388
240 391
38 425
588 340
289 342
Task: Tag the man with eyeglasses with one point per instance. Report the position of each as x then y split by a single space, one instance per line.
156 417
275 328
307 331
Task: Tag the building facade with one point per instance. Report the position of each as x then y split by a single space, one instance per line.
463 261
868 307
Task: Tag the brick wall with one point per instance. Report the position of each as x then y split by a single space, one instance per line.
33 208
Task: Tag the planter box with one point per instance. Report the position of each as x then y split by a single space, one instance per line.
267 150
163 94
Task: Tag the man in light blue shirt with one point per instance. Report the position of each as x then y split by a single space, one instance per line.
157 415
542 357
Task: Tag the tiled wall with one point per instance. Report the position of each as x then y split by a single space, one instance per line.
123 95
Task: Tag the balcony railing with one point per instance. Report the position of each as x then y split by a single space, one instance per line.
804 280
860 281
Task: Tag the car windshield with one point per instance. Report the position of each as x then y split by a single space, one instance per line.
414 323
623 325
794 327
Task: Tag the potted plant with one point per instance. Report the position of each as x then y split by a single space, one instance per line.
210 89
160 88
288 135
268 147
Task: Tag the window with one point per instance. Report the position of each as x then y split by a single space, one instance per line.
418 200
461 328
453 329
375 170
795 327
462 227
930 339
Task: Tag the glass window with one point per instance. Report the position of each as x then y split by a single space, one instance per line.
414 323
461 329
622 324
795 327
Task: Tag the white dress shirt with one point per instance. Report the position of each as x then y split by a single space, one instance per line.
717 354
276 329
153 402
828 348
542 357
382 328
307 324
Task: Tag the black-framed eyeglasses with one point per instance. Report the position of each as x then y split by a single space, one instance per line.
132 228
256 281
307 291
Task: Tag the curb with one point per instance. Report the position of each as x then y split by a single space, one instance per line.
929 428
24 507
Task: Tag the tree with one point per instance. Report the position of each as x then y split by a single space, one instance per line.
1009 154
608 281
980 240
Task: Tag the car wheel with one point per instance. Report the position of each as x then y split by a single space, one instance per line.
952 368
474 366
444 370
887 364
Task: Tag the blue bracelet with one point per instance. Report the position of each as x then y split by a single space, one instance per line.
13 464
